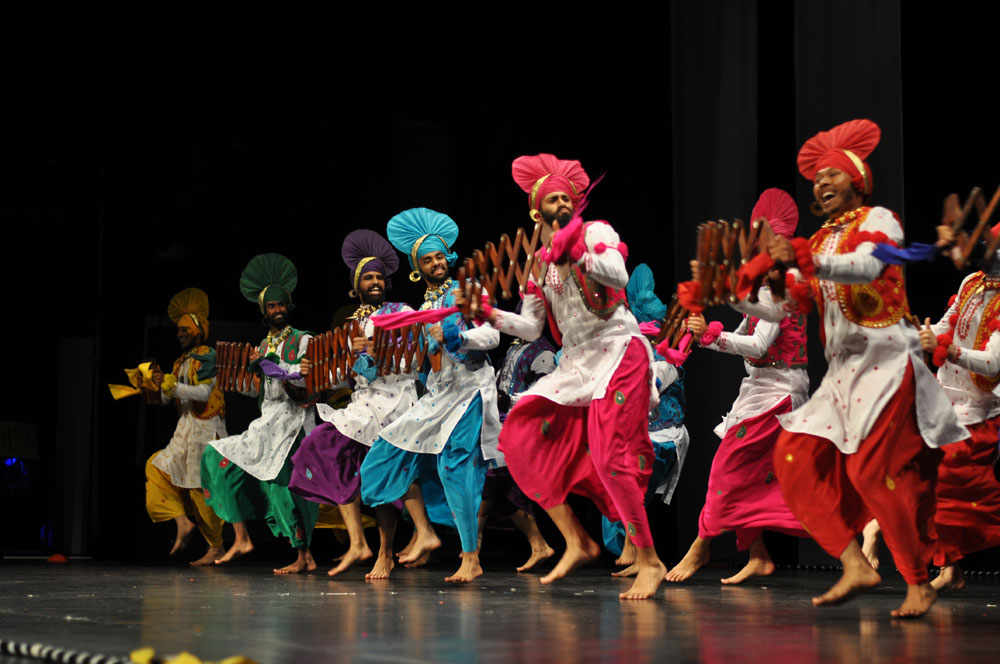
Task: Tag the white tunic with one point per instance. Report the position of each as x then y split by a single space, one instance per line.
261 449
374 405
764 387
181 458
972 405
427 427
592 346
865 365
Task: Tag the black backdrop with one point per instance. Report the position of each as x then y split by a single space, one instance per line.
132 176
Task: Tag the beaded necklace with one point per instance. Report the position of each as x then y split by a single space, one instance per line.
274 341
434 294
364 311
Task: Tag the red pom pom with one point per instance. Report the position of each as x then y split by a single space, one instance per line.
803 256
801 293
623 250
945 339
952 300
995 325
600 248
952 319
940 355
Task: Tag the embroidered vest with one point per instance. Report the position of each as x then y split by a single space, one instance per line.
789 349
983 332
881 303
199 370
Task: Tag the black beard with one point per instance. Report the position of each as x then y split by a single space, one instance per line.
563 218
436 281
277 321
373 299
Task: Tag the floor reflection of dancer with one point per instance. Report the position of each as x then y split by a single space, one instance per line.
327 465
743 494
558 438
666 421
173 474
966 343
863 445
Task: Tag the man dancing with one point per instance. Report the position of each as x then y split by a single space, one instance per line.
584 427
742 494
327 466
264 450
173 474
966 347
863 445
450 435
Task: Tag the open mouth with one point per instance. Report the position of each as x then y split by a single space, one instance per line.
828 195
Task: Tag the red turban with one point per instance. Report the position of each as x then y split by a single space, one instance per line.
543 174
779 209
845 147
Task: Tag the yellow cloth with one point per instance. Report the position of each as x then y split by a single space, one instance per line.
140 378
329 517
147 656
216 404
164 502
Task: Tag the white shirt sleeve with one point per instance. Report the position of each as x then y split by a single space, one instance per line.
748 345
859 266
527 325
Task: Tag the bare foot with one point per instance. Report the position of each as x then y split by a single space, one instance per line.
420 550
537 556
755 567
419 562
239 549
210 556
696 556
950 577
383 566
855 580
631 570
869 543
647 580
405 551
353 555
469 570
628 554
185 530
573 557
303 563
919 600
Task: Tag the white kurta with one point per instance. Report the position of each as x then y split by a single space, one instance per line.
374 405
261 449
972 405
428 425
592 347
764 387
181 458
865 365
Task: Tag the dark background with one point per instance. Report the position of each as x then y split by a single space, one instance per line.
136 167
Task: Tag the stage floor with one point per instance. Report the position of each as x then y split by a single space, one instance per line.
504 616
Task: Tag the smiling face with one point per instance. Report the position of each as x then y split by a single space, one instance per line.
276 314
371 288
834 192
557 206
434 268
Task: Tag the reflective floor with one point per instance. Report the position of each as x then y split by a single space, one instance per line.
505 616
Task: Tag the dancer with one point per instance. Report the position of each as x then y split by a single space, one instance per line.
449 437
559 438
666 422
864 444
173 474
248 474
966 347
327 466
742 492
